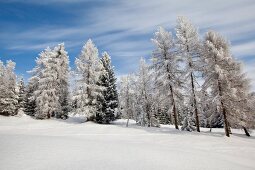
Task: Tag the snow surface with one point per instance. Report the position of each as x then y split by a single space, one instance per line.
28 144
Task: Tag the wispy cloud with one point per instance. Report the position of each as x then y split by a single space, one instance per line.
244 49
250 70
124 27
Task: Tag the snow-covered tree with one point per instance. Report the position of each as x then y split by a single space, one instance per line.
8 92
101 104
165 63
188 119
30 103
108 99
127 97
218 73
89 68
211 116
144 93
32 86
62 61
47 92
21 95
189 48
2 85
241 114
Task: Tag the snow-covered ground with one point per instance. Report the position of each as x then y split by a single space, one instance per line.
28 144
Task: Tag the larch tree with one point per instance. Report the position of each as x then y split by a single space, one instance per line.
47 92
189 48
88 70
62 61
217 74
165 63
240 111
127 97
144 92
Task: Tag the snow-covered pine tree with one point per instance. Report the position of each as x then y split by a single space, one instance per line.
30 104
101 103
188 118
88 72
2 85
2 88
109 98
189 48
218 73
112 91
62 61
75 92
8 93
21 94
47 92
167 71
163 116
211 116
30 100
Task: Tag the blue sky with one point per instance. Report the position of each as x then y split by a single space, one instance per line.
123 28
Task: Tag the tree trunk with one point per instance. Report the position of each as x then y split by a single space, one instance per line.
225 120
246 132
48 115
195 102
127 122
174 109
224 112
229 129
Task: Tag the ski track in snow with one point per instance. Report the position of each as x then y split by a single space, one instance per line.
28 144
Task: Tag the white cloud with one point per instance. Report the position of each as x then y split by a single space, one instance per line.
249 68
116 26
244 49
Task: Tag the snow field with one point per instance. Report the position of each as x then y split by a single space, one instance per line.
28 144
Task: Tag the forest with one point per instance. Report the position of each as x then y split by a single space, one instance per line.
189 81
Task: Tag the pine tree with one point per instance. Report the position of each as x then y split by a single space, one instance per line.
211 116
102 114
21 95
188 119
2 86
8 96
163 116
30 102
109 95
88 71
167 71
189 49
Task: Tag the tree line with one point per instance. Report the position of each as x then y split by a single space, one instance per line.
188 81
47 93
